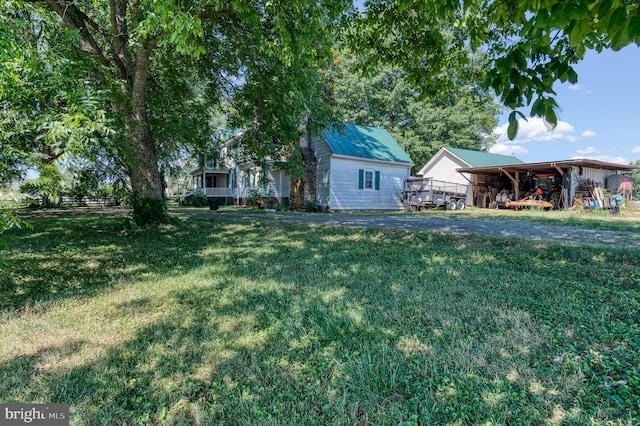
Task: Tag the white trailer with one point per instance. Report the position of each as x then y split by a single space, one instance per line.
419 193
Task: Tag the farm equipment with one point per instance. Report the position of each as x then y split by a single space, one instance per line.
419 193
545 188
534 200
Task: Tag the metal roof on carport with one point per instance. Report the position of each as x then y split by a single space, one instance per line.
548 166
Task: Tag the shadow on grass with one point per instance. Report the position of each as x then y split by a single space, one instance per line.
302 326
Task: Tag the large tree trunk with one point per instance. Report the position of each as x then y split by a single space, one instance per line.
303 190
148 202
296 194
310 168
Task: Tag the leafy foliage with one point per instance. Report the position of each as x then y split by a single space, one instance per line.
50 102
636 181
48 186
160 67
464 117
148 211
531 45
197 199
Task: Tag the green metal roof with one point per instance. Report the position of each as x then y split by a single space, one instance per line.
484 159
365 142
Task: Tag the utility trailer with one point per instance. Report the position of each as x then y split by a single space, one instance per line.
419 193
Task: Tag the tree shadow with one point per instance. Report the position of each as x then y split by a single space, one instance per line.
365 326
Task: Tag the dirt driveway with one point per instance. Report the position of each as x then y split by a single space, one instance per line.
522 229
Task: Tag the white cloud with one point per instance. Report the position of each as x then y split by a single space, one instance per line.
588 134
535 129
596 154
587 151
579 88
515 150
636 149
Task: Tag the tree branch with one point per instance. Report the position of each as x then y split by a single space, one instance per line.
212 13
77 20
119 33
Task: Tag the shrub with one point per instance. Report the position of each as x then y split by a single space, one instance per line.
272 203
197 199
255 199
148 211
311 206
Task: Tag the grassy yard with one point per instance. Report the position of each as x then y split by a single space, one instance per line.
201 322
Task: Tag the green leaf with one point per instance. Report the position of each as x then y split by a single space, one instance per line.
512 130
577 34
621 38
605 8
577 10
542 19
537 109
633 30
618 19
550 114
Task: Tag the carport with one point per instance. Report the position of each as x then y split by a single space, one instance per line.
560 181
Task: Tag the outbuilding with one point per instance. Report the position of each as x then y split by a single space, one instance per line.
447 163
561 183
359 168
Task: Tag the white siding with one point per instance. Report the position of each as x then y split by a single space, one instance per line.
345 194
598 176
243 184
444 168
323 178
279 184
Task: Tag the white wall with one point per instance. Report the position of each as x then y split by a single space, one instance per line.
345 194
279 184
443 167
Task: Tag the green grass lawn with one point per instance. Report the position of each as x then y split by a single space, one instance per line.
201 322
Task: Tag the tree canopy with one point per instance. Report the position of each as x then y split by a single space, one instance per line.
462 117
530 45
136 81
160 67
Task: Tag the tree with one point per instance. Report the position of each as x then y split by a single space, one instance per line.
49 102
139 52
48 186
462 117
636 181
531 45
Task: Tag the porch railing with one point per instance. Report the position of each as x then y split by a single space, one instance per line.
218 192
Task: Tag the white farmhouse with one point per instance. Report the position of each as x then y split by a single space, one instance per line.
358 168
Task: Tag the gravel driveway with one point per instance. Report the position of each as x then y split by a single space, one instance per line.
523 229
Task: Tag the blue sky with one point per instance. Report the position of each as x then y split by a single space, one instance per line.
599 116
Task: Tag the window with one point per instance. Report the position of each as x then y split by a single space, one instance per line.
368 179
